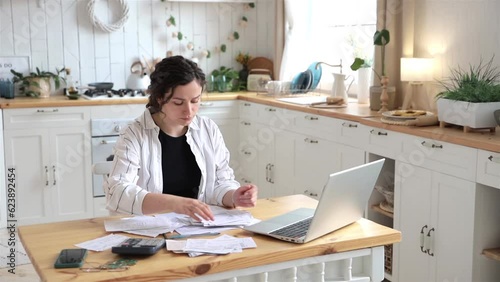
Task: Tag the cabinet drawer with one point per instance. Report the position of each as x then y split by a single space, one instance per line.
219 109
488 168
383 142
451 159
46 117
349 133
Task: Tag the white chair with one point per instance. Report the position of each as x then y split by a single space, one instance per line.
102 168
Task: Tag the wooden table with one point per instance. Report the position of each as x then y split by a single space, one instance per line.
362 240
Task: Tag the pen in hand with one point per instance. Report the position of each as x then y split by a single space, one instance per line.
192 235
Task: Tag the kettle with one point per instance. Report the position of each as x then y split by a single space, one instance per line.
138 79
338 88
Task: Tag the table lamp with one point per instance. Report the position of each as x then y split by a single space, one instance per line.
416 71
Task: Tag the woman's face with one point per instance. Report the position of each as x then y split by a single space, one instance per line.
184 104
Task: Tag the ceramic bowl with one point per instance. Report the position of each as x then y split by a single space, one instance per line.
73 96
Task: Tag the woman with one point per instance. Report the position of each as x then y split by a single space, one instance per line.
170 159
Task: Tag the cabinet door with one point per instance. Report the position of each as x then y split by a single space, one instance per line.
283 171
71 175
453 219
413 192
27 151
315 159
442 207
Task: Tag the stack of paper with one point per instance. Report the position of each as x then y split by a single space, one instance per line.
222 245
225 217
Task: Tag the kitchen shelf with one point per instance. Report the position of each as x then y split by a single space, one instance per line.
492 253
381 211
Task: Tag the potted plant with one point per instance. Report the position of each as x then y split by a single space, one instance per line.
380 38
470 96
226 79
243 59
37 84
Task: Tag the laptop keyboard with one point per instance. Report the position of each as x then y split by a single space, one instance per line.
295 230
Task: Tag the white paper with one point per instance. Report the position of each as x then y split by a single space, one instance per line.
102 243
225 217
224 244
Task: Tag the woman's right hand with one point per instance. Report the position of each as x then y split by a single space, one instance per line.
193 208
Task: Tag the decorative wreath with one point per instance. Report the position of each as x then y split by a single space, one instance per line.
108 27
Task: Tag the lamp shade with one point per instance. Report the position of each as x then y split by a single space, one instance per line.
416 69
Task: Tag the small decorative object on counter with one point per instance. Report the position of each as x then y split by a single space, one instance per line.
6 88
243 59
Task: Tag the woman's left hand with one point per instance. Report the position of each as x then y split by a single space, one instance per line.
245 196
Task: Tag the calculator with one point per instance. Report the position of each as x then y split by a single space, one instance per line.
139 246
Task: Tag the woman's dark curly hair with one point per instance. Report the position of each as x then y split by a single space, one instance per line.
170 73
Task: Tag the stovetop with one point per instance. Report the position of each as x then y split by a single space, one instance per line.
95 94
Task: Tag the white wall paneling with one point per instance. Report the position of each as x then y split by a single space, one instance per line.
57 33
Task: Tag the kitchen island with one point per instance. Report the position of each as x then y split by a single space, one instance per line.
356 250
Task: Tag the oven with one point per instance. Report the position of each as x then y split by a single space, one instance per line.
105 133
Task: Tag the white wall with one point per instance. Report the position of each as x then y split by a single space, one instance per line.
457 32
56 33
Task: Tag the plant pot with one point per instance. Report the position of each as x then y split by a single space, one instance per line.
473 115
376 91
40 85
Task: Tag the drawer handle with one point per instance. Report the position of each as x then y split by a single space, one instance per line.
493 159
376 132
206 104
246 123
271 109
429 145
312 141
311 194
54 171
104 142
246 152
430 242
247 104
46 176
346 124
422 239
47 111
311 118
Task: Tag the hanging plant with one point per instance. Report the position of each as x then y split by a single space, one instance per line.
171 21
243 22
179 36
223 48
236 35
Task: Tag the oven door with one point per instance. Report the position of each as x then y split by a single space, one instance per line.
102 149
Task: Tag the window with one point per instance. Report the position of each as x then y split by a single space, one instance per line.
328 31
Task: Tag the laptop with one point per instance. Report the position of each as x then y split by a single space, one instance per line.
342 202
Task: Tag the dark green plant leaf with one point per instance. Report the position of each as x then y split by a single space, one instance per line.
381 38
209 54
357 64
251 5
179 35
223 48
236 35
172 20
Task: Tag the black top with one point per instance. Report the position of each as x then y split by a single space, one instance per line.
181 174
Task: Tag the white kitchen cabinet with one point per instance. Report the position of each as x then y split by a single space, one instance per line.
316 158
53 163
265 150
435 214
488 168
383 142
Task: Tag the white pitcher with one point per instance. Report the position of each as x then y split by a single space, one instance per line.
339 89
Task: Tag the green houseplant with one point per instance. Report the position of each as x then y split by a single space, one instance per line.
226 79
37 84
470 96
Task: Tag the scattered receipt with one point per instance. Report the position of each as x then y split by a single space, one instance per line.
102 243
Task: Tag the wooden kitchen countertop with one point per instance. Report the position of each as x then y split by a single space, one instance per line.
354 112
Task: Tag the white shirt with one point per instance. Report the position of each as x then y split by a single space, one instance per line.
137 169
